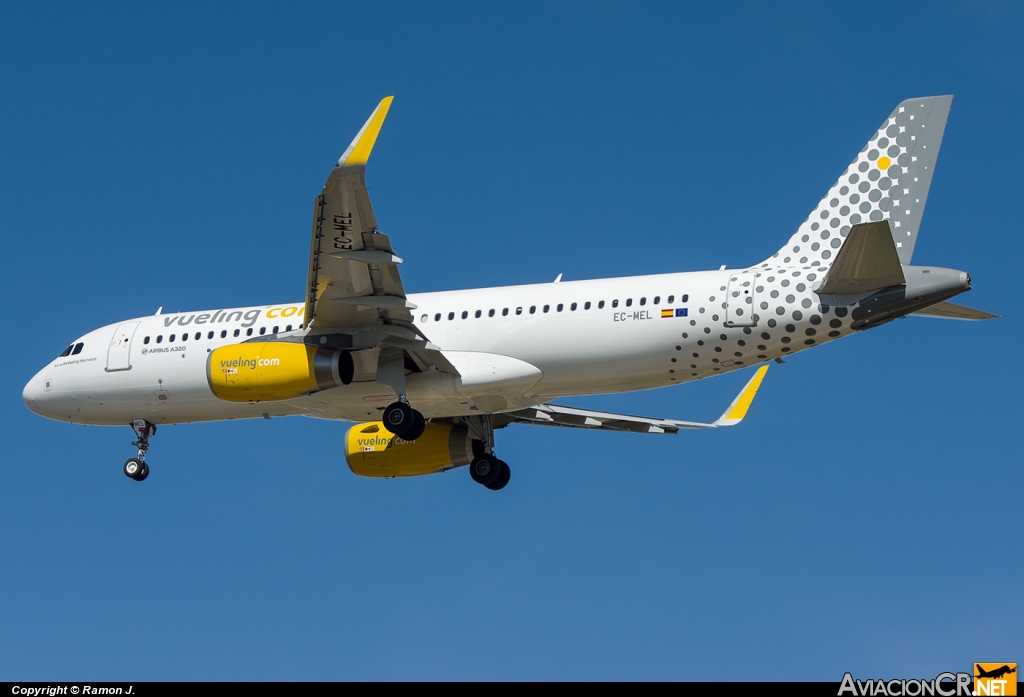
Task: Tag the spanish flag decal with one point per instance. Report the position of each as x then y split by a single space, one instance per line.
667 313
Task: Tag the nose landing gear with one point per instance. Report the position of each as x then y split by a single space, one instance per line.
136 467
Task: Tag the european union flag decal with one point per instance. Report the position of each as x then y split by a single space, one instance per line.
680 312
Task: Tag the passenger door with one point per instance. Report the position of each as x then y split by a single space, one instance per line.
739 308
119 352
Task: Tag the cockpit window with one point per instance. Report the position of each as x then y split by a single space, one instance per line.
78 348
66 352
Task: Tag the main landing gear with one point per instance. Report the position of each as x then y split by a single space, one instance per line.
485 468
408 424
490 471
136 467
404 421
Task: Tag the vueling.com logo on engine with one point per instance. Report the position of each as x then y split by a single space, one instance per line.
250 363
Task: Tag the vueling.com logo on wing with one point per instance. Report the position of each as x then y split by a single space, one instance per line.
995 679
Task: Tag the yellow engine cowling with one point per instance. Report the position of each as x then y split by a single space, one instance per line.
373 451
274 370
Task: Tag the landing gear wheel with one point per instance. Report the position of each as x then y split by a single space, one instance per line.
133 469
486 470
399 418
502 479
144 473
419 425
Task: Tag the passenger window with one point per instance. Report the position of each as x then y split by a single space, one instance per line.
78 349
573 306
263 330
248 332
504 312
210 335
170 339
437 317
615 303
145 341
289 328
424 318
600 305
276 327
300 326
184 337
223 335
159 338
237 332
657 299
643 301
629 302
686 298
490 313
586 305
477 315
451 316
533 309
465 314
547 308
671 299
559 307
519 310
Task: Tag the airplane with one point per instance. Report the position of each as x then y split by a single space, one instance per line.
429 377
995 673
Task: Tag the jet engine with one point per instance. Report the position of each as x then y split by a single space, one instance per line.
373 451
274 370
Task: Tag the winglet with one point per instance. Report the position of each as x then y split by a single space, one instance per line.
358 151
738 409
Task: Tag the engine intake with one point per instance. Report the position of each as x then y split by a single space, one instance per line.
373 451
275 370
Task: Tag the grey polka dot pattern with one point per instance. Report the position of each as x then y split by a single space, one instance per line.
888 180
771 310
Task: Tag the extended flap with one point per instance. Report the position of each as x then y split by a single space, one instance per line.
868 261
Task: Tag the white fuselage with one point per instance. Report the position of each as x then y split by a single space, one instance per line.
530 344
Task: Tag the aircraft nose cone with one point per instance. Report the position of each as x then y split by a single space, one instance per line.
32 395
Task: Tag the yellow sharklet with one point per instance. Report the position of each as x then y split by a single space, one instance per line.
738 409
358 152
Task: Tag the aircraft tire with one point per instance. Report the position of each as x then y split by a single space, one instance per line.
419 425
399 418
485 469
133 467
143 473
502 480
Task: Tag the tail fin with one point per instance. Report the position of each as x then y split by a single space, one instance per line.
888 180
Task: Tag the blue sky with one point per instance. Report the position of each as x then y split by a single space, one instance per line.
863 518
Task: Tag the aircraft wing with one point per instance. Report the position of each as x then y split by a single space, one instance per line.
572 417
353 290
353 280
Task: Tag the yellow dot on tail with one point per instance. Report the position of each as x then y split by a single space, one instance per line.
884 162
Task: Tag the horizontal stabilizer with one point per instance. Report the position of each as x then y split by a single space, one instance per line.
951 311
867 261
571 417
